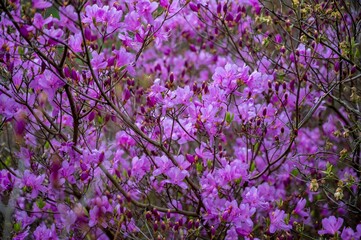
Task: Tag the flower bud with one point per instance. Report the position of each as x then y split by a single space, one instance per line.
193 7
197 223
66 72
155 211
155 226
225 8
225 215
84 176
292 57
129 214
353 69
264 113
148 215
190 224
314 185
213 231
269 84
163 226
176 226
338 194
171 77
229 17
238 17
258 122
190 158
219 8
277 86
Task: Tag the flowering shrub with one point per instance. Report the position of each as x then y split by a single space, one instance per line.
180 119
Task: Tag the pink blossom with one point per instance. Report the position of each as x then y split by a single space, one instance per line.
299 208
98 61
176 176
331 225
41 4
75 42
277 221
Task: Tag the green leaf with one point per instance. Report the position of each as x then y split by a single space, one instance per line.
229 117
100 120
209 164
287 219
238 181
40 203
52 11
8 161
256 147
253 166
295 172
329 168
199 167
125 173
17 227
21 51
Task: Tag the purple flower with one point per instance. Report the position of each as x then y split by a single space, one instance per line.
358 232
181 96
75 42
146 8
67 216
132 21
6 181
67 16
66 172
277 221
347 234
331 225
47 82
43 233
236 170
227 77
33 182
299 208
39 22
253 198
176 176
41 4
94 214
278 39
140 166
98 61
244 223
7 106
23 235
123 58
51 36
163 164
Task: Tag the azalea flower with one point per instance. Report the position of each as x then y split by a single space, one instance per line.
277 221
176 176
299 208
98 61
331 225
41 4
348 234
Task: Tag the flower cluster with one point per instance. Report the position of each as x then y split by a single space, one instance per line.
179 119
